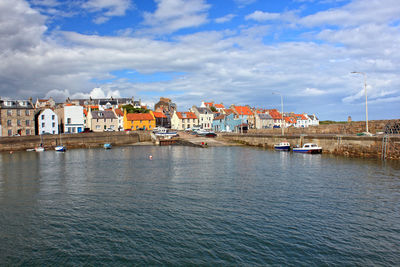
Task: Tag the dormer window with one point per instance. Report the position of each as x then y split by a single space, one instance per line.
100 114
8 103
23 103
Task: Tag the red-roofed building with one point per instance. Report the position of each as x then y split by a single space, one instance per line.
301 120
289 121
276 116
184 120
245 114
161 119
139 121
219 106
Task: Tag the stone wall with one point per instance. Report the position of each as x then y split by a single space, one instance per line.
339 128
81 140
351 146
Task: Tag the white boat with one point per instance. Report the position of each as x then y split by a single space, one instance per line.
39 149
282 146
164 132
309 148
60 148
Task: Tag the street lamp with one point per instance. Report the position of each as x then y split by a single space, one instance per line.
276 93
366 101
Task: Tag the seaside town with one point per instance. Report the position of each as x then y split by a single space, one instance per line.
45 116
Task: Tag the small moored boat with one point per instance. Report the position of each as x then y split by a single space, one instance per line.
60 148
107 146
282 146
309 148
39 149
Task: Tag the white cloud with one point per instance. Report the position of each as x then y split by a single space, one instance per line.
62 95
224 19
313 92
173 15
355 13
233 66
262 16
107 8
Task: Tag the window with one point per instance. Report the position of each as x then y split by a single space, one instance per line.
53 117
105 120
68 120
43 132
28 122
19 122
43 124
9 132
98 127
9 112
18 112
105 127
28 131
8 122
54 132
53 124
42 117
27 112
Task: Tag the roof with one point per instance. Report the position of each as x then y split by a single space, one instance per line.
24 104
104 114
243 110
186 115
219 106
203 110
208 104
139 117
85 112
119 112
264 116
275 114
220 117
290 119
159 114
313 117
300 117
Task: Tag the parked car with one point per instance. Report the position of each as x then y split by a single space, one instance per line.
109 130
86 130
211 134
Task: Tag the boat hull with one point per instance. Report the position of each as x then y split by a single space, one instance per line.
60 148
282 148
307 150
107 146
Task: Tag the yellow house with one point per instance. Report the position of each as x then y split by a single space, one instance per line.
136 121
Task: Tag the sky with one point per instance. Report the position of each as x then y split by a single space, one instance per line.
242 52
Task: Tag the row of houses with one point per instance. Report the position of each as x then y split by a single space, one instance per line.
45 116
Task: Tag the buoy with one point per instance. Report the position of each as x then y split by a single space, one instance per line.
150 157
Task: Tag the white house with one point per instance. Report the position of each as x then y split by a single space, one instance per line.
47 122
205 117
183 120
313 120
73 119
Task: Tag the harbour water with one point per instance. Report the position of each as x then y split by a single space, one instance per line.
193 206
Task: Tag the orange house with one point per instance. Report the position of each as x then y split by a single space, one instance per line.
139 121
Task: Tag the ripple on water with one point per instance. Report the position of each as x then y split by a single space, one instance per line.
190 206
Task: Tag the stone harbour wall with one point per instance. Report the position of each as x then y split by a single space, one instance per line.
350 146
80 140
354 127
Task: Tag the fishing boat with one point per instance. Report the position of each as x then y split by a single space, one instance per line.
309 148
282 146
164 133
107 146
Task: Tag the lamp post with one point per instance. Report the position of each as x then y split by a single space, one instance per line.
366 101
276 93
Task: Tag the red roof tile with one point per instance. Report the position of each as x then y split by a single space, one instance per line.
243 110
219 106
186 115
119 112
275 114
159 114
139 117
